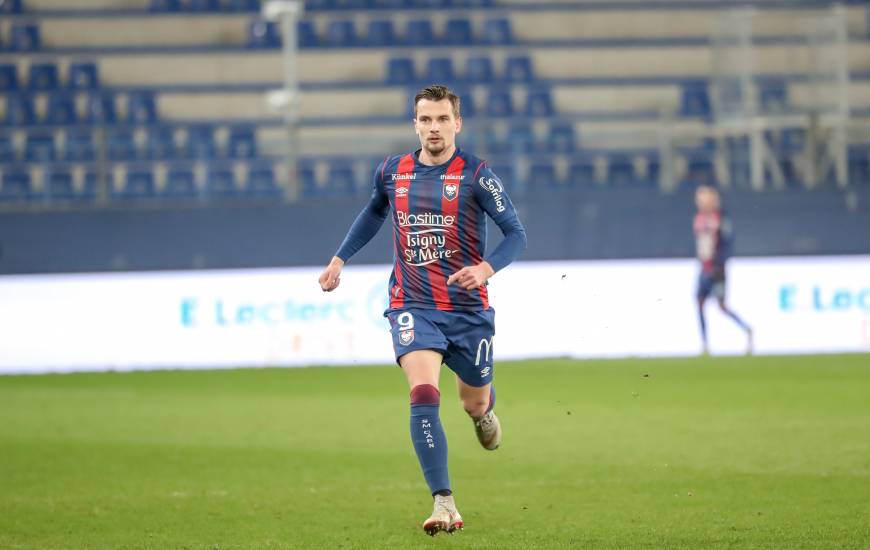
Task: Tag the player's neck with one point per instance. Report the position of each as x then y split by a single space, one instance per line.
428 159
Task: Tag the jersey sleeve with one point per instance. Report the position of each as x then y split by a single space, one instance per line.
369 220
493 198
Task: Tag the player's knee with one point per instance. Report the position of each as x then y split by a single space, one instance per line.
475 407
425 394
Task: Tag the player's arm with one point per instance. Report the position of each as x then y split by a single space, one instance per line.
366 226
493 198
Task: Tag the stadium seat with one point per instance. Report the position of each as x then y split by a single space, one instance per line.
419 32
165 5
440 69
120 144
620 170
504 171
497 31
542 173
560 138
581 172
467 107
400 70
521 137
518 68
101 108
694 99
242 5
39 146
307 179
7 149
16 185
83 75
10 6
261 182
539 103
141 107
61 109
180 184
340 34
201 5
139 185
79 145
160 143
700 171
221 182
499 103
381 33
200 142
58 185
457 31
24 37
479 69
8 77
43 76
263 34
92 181
242 143
306 34
341 179
773 95
19 110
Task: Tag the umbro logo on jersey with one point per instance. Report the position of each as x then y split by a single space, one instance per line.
401 191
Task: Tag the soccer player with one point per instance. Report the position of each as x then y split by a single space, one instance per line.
714 237
438 198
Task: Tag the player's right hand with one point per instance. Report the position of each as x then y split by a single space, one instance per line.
331 276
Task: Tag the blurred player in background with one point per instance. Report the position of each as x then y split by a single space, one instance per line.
714 239
439 309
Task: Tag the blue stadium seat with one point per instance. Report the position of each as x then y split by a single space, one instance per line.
859 165
24 37
518 68
620 170
400 70
263 34
180 184
539 103
242 5
160 143
504 170
242 143
479 69
381 32
542 173
10 6
521 137
92 180
467 108
581 172
560 139
420 32
165 5
341 179
340 33
61 109
16 186
39 146
307 176
79 145
221 182
306 34
261 182
773 95
139 185
83 75
440 69
200 142
7 149
8 77
497 31
120 144
201 5
457 31
101 108
694 99
43 76
500 103
700 170
142 107
19 110
58 185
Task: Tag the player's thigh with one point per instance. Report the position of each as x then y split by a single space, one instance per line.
421 367
418 343
470 349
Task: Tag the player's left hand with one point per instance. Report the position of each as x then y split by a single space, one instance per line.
472 276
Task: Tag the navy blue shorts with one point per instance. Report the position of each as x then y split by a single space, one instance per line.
711 283
464 338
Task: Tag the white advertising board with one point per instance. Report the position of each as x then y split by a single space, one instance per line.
206 319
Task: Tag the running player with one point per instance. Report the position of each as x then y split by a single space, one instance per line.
714 237
439 309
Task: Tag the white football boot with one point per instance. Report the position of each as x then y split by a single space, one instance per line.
445 517
488 430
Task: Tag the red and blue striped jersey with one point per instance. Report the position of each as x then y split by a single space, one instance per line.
713 239
439 226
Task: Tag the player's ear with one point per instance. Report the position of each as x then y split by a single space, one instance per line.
458 124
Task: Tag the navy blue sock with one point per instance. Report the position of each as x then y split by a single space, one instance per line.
428 437
703 322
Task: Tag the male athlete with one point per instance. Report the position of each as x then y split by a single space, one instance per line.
714 237
439 310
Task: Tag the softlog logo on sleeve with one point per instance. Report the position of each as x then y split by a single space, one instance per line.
496 189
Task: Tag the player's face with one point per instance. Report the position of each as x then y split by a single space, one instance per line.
436 126
706 199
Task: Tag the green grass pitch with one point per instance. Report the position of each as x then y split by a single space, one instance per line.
768 452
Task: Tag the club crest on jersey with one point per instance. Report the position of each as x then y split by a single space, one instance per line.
450 191
406 337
